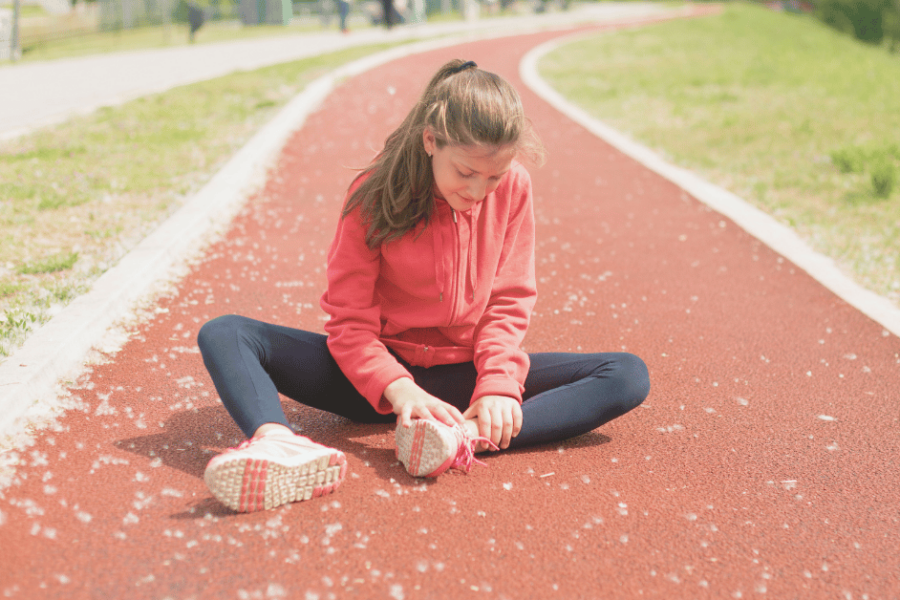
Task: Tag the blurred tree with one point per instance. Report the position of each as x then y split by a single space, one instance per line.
196 17
182 11
891 24
861 18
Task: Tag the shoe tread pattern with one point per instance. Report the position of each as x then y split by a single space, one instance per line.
422 449
247 485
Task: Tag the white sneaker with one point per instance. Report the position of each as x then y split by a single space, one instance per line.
274 469
427 448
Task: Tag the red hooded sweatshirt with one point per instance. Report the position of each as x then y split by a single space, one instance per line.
458 289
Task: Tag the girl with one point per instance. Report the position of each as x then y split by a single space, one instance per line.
430 289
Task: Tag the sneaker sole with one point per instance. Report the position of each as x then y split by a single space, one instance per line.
423 448
248 485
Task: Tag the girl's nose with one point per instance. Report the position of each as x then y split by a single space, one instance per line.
477 190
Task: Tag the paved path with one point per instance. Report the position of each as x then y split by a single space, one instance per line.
763 463
37 94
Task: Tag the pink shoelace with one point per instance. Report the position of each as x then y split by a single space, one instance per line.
465 456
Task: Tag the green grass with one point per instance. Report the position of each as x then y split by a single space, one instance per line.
8 288
51 264
74 198
800 120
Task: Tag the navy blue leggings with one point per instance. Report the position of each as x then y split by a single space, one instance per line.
251 362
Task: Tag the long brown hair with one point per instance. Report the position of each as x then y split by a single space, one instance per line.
462 105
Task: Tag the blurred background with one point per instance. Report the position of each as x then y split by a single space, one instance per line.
48 28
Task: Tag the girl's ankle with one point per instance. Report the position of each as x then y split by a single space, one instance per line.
471 429
276 428
470 426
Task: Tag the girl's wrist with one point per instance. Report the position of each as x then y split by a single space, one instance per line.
395 391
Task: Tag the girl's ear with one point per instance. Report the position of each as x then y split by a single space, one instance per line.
428 141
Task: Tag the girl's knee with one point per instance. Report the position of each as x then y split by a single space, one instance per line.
635 378
214 330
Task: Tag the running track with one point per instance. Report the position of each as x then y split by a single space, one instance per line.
763 464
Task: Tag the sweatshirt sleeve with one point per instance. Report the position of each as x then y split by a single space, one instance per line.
502 365
354 325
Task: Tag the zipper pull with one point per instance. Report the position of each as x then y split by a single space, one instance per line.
453 212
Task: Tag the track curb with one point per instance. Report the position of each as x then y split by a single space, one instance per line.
777 236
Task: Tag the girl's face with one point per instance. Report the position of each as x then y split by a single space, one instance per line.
465 175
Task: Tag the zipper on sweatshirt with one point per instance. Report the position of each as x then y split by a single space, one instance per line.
455 293
441 295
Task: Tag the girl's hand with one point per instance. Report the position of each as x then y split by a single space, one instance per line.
412 402
499 418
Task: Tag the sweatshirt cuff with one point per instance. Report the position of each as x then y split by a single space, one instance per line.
374 392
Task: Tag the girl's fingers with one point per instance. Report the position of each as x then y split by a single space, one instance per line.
497 426
457 416
517 419
507 428
484 422
444 414
434 409
440 413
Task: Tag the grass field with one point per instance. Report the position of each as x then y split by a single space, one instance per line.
796 118
76 197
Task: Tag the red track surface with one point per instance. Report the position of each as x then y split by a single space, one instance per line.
763 463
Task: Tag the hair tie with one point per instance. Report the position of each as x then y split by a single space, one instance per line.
463 67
